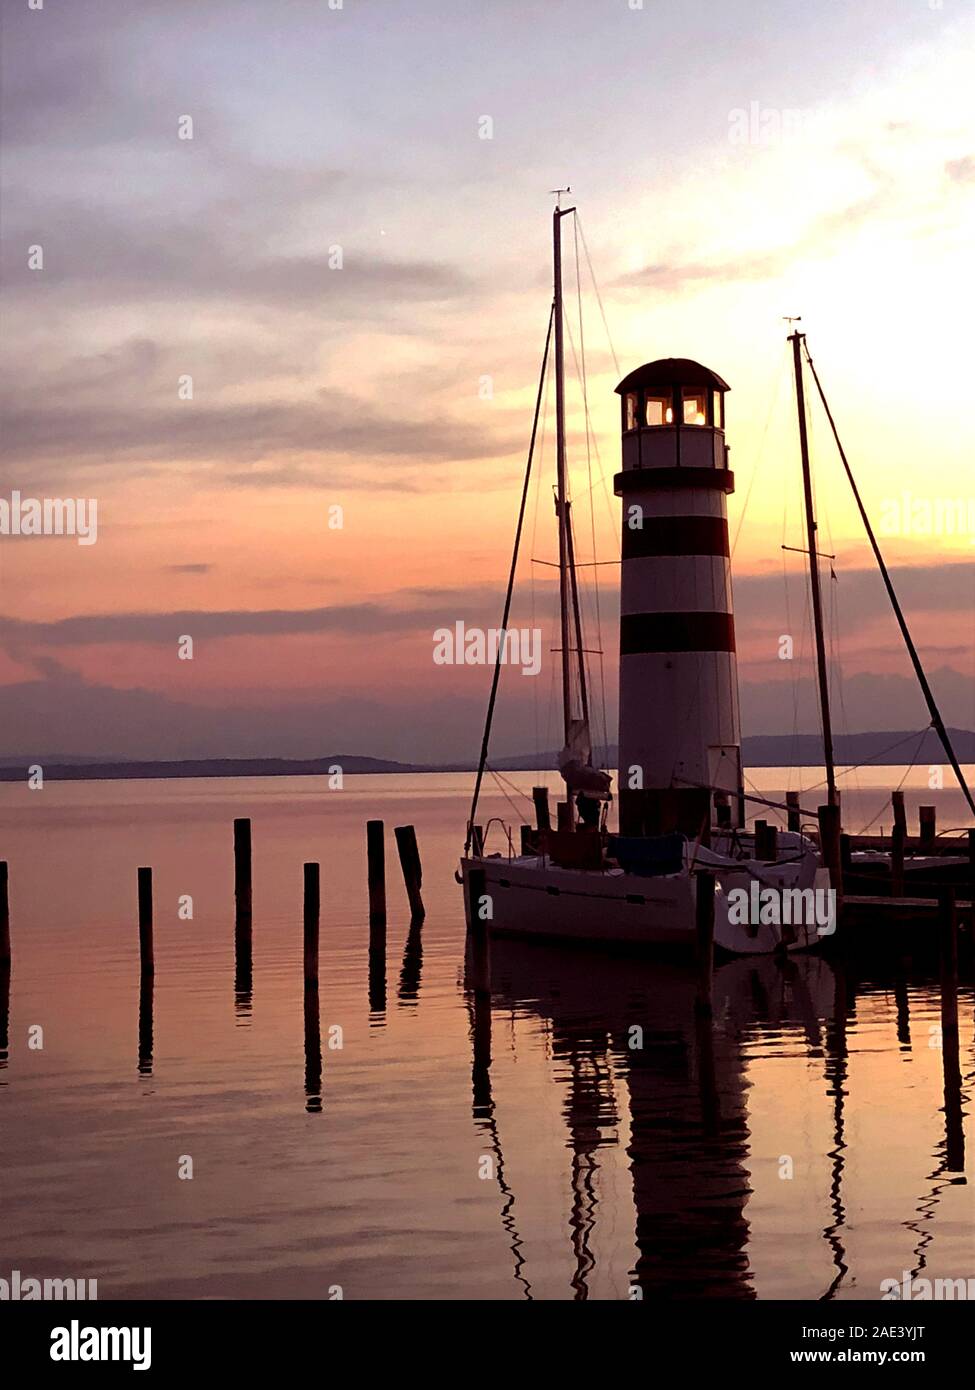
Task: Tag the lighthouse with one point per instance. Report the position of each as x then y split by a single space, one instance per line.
679 730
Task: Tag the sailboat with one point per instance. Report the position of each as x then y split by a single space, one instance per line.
681 795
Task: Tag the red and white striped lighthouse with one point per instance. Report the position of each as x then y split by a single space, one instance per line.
679 735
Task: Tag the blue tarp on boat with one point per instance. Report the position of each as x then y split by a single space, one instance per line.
648 856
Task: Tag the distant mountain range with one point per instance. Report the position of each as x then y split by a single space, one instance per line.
761 750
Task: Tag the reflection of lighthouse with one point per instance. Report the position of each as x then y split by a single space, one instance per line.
679 725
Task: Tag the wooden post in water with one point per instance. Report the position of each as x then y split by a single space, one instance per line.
477 840
793 813
409 858
376 859
146 953
704 939
898 835
312 913
242 869
846 856
527 847
829 844
4 915
543 820
928 824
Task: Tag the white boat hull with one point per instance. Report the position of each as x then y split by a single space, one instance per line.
530 896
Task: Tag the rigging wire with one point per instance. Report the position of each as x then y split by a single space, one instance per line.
511 584
935 713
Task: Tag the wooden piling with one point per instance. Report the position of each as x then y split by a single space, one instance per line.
409 858
846 855
704 939
898 838
928 826
376 858
147 957
4 915
766 840
312 913
527 840
477 840
793 813
829 843
243 901
543 820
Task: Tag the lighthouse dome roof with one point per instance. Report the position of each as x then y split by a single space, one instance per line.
673 371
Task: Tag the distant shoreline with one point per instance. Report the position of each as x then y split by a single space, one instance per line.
881 749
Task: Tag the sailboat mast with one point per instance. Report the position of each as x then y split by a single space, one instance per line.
796 340
561 489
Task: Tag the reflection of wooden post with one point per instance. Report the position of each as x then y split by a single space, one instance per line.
146 953
704 938
928 824
409 858
829 844
477 901
312 913
242 868
4 916
146 988
793 813
543 820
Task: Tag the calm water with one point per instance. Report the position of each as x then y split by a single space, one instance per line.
448 1148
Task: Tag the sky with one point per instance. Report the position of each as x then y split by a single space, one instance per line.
348 264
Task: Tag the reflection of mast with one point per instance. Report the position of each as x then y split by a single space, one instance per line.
483 1111
590 1107
836 1076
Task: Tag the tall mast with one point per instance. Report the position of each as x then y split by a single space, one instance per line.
796 339
560 502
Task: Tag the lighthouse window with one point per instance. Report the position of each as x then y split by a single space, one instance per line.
630 400
695 408
716 416
660 410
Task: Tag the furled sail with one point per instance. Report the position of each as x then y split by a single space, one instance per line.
575 764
